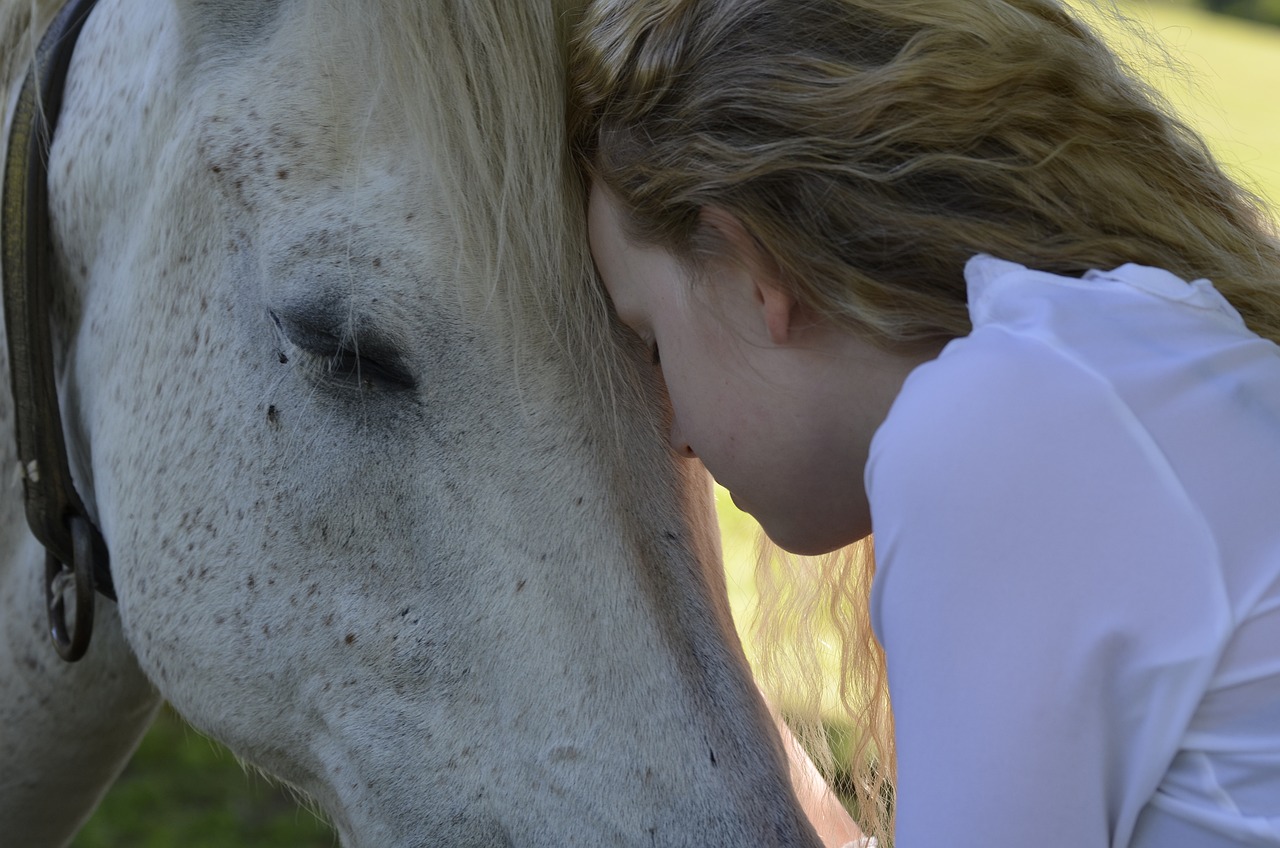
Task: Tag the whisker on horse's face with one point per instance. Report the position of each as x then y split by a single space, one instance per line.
370 522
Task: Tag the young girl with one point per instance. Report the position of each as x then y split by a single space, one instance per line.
945 271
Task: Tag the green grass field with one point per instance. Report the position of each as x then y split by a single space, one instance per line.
182 790
1223 80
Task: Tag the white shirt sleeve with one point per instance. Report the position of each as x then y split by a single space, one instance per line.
1048 599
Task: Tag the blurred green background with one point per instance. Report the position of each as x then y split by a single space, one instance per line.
1221 71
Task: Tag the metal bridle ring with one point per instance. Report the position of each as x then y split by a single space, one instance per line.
71 644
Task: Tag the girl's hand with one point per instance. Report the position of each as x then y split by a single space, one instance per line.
835 827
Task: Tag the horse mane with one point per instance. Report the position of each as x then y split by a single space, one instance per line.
489 76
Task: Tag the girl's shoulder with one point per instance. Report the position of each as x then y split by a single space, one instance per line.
1065 370
1000 292
1133 354
1135 336
1128 388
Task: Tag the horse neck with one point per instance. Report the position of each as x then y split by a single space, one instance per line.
66 730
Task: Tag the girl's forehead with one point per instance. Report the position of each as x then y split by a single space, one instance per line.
618 261
643 280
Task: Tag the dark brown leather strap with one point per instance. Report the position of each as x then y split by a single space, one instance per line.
28 267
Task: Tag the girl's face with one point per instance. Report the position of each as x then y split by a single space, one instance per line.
780 410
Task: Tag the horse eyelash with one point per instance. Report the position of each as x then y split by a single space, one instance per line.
282 337
344 366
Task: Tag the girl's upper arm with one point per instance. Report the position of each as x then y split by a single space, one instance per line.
1048 600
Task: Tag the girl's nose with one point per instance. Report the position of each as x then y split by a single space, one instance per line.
678 442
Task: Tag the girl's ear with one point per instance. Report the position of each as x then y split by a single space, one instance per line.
779 309
777 306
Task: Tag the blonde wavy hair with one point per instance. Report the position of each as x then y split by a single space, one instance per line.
871 148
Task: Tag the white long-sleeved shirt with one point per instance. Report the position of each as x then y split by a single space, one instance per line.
1077 524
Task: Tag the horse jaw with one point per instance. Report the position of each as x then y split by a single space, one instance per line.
355 536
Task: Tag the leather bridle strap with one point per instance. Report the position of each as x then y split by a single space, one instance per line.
76 557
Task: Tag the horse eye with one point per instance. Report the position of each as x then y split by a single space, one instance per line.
349 367
347 361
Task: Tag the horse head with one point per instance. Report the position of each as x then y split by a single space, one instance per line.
389 507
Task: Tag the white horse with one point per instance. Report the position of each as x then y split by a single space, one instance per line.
387 509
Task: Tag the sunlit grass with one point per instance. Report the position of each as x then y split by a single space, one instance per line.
1220 73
